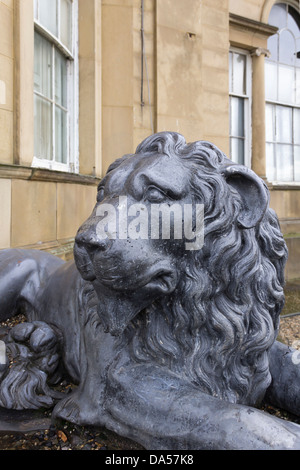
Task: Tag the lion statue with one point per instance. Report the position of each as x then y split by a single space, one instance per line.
170 344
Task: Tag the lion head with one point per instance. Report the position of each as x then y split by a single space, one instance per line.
210 314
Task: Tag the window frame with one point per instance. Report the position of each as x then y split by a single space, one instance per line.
247 99
71 56
275 104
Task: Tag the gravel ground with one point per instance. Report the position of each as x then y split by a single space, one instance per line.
65 436
36 431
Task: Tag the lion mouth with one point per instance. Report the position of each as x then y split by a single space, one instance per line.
84 263
119 304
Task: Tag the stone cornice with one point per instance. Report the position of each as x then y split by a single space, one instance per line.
40 174
246 24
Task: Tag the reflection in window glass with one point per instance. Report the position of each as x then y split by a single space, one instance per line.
237 117
282 81
47 12
51 101
285 167
297 126
61 137
284 125
287 47
271 81
286 87
60 79
66 23
278 15
297 162
43 128
237 150
271 162
56 16
273 47
239 74
297 85
42 66
270 123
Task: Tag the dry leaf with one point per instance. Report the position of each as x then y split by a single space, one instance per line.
62 436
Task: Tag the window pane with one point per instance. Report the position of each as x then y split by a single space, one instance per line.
284 124
60 79
270 123
66 23
270 162
273 47
284 157
298 86
42 128
238 151
61 139
286 84
48 15
35 9
287 48
42 66
297 126
278 16
239 74
237 117
271 81
297 163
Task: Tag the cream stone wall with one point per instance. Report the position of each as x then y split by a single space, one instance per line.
6 80
251 9
179 75
23 42
90 89
44 215
117 79
5 213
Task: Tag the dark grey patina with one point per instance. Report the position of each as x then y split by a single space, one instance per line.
174 349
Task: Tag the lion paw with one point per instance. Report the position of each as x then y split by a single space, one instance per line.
37 343
33 363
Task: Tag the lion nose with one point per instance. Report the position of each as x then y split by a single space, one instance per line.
91 242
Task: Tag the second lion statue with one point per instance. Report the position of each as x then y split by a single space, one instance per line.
174 348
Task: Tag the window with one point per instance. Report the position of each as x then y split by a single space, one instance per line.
240 106
55 84
283 96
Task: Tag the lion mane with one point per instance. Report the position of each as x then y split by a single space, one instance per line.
216 329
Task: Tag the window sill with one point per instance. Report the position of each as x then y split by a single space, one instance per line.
42 174
284 185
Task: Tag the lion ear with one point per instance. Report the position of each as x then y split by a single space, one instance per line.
253 192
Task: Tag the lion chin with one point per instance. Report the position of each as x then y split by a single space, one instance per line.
117 309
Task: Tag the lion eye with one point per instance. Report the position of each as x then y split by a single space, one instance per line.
100 194
155 195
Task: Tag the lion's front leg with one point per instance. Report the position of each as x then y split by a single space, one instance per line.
161 411
284 390
84 406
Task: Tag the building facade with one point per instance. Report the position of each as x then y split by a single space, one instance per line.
82 82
